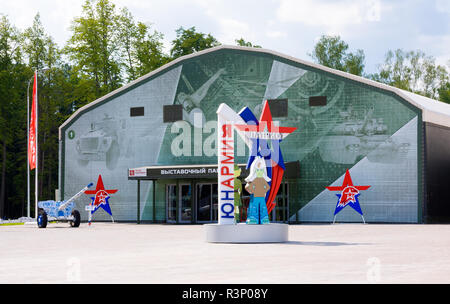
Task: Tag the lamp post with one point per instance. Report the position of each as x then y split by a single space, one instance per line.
28 143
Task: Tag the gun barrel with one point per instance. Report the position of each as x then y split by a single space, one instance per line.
75 196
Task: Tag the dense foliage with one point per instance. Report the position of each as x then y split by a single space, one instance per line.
412 71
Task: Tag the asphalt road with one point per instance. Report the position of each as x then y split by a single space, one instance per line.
130 253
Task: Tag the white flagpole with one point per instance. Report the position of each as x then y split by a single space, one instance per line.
37 151
28 148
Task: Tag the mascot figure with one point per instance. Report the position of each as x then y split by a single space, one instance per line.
257 186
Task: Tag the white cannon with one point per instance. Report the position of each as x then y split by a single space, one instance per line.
60 211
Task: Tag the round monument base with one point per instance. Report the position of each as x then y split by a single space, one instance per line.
243 233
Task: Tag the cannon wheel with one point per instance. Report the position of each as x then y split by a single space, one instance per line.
42 219
76 219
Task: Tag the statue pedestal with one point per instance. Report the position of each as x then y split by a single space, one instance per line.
243 233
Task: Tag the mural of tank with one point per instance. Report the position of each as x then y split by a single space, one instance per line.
101 143
353 138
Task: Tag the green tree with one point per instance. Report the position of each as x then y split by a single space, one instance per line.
42 52
105 47
444 93
413 71
37 44
94 47
141 48
13 75
332 52
148 50
354 63
444 90
189 41
242 42
400 69
434 79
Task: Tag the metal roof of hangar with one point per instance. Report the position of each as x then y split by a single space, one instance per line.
433 111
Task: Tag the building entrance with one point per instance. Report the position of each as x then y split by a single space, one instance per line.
179 203
191 194
181 207
206 203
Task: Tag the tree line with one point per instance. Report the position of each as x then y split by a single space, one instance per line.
413 71
108 48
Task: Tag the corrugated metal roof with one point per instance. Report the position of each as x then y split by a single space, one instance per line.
433 111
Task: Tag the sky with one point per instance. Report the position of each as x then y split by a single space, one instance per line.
291 27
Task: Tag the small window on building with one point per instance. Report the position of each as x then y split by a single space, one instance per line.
172 113
317 101
137 111
278 107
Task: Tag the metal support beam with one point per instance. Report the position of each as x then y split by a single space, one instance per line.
287 202
154 200
177 211
296 193
193 203
138 220
284 212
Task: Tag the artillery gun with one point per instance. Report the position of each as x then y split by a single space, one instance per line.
60 211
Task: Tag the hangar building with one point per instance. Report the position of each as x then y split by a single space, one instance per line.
154 140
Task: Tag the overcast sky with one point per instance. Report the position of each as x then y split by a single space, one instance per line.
288 26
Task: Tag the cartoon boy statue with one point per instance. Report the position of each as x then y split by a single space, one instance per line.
237 194
257 184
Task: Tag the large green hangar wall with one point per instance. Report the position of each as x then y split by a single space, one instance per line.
372 132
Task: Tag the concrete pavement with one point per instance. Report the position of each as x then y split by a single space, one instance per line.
130 253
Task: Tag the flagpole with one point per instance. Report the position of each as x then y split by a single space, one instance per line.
28 148
35 131
37 151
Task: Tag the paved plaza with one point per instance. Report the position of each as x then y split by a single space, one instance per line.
131 253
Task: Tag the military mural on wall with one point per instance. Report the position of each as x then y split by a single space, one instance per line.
101 142
357 123
107 141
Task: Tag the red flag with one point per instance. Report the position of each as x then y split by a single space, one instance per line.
32 136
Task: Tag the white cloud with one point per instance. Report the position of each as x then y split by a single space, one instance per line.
373 11
231 29
330 14
56 16
436 45
288 26
276 34
443 6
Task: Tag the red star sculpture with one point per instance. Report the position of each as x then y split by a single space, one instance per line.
349 194
101 194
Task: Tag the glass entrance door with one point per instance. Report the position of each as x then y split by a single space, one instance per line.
171 197
203 203
185 204
206 203
179 203
215 202
280 212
